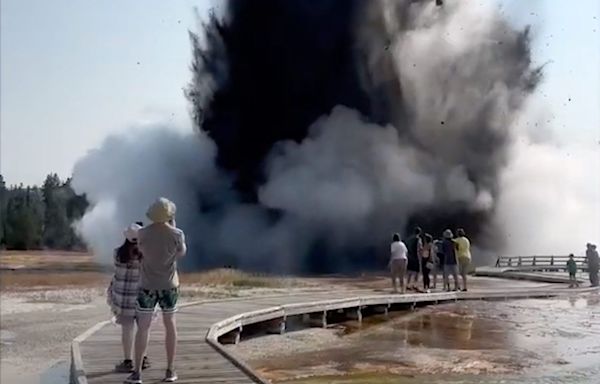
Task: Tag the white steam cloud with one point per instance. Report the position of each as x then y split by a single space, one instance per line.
550 201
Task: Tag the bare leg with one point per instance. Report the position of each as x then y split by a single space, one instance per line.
170 338
394 282
463 274
144 320
446 278
402 275
455 274
127 334
394 276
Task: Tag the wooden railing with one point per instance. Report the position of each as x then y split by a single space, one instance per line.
540 263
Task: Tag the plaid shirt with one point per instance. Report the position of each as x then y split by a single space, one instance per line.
123 289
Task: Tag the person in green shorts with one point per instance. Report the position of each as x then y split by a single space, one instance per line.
161 243
572 268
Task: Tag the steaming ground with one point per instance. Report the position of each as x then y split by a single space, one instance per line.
300 165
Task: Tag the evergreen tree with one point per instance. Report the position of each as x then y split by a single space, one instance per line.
24 218
57 229
32 218
3 202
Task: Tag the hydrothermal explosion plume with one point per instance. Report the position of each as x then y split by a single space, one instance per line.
449 80
323 127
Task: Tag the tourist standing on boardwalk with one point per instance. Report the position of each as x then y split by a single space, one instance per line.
593 262
427 256
161 243
572 269
414 244
398 260
449 263
463 255
122 293
438 257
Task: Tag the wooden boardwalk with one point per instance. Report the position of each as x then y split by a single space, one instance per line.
96 352
197 361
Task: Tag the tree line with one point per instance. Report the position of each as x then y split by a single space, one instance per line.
33 217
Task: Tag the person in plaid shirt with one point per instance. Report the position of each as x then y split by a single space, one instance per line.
122 293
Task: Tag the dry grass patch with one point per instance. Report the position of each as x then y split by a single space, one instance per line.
19 280
238 279
48 260
38 270
216 282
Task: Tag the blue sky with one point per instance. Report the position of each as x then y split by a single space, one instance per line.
73 72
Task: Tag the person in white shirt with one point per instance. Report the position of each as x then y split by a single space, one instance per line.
398 262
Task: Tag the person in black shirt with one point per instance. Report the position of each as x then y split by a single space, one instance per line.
449 263
414 245
438 261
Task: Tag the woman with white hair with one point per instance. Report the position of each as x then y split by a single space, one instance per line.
398 261
162 244
122 294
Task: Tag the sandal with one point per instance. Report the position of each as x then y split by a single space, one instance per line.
125 366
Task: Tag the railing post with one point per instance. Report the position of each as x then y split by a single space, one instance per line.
520 262
552 260
533 261
510 261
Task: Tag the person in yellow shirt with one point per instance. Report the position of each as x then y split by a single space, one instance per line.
463 254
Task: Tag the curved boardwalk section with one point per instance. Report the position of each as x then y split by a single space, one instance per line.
201 359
